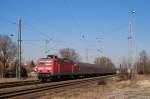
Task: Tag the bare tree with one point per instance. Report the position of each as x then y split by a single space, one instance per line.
7 51
30 66
105 61
143 64
124 63
69 53
144 56
1 68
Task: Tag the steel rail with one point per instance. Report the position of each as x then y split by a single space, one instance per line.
18 83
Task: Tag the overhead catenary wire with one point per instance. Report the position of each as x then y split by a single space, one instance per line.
29 28
8 21
75 20
44 36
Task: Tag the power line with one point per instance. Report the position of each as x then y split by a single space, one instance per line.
8 21
30 28
76 21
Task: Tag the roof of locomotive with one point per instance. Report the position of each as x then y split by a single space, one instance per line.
54 56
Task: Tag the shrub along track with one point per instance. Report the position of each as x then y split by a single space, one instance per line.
37 90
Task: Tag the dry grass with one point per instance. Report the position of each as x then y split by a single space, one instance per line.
138 88
14 79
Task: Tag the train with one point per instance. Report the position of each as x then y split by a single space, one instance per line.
52 68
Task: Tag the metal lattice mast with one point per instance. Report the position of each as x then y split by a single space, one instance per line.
130 45
130 38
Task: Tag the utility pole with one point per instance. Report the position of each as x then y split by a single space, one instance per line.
86 51
136 60
144 65
19 46
46 42
87 56
100 41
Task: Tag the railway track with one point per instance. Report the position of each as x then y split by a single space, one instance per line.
55 86
18 83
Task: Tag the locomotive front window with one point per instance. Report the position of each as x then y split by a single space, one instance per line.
45 62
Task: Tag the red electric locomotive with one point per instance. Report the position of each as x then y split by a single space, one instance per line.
53 67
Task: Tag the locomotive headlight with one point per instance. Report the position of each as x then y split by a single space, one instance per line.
48 68
40 68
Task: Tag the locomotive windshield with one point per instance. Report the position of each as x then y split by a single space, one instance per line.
45 62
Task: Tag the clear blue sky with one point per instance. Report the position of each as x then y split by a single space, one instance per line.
66 21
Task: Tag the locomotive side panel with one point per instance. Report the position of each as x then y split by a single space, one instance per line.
65 67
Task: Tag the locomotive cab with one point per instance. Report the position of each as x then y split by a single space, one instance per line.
45 67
